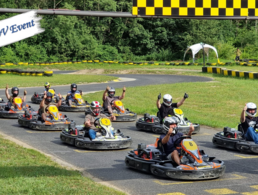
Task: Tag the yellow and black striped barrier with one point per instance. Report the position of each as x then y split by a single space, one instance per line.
228 72
25 72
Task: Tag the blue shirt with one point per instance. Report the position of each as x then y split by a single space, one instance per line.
169 146
72 93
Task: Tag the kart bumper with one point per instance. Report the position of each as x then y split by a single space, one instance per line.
86 143
178 174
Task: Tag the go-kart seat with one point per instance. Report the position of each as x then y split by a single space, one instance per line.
160 147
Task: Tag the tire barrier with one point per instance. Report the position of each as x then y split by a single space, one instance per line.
228 72
25 72
245 62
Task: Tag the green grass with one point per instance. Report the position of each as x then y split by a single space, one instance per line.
56 79
26 171
216 104
117 67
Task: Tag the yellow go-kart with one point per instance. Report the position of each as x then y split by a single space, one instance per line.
78 104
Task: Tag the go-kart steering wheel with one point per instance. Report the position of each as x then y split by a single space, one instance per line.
181 138
96 124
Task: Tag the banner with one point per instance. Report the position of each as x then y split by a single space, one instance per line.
19 27
196 8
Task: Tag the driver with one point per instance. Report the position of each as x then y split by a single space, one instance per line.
167 105
108 99
15 93
249 122
45 103
90 118
70 94
47 86
168 140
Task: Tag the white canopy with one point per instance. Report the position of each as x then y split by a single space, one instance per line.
197 47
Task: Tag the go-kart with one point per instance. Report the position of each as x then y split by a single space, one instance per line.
78 104
233 139
119 111
10 111
37 97
153 123
195 164
55 121
78 136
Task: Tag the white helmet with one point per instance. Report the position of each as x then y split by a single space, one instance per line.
251 106
167 99
93 105
168 121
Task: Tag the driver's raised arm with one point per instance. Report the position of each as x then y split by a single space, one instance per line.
166 138
191 129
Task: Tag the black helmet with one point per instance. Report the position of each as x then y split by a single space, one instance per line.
49 95
73 86
111 92
15 89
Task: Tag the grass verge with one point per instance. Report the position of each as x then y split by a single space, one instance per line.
56 79
216 104
26 171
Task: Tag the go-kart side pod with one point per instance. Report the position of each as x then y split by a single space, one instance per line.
220 140
185 172
247 146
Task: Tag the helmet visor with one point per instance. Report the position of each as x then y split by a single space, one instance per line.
168 101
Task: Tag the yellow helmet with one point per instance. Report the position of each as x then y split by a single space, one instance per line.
47 84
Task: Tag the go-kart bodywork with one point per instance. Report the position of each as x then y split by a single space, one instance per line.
152 123
36 98
233 139
55 122
13 112
152 159
78 136
78 105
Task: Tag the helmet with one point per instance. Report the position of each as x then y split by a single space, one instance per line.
111 92
49 95
15 89
168 121
47 84
251 106
93 105
73 86
167 99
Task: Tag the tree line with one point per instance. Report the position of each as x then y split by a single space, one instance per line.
68 38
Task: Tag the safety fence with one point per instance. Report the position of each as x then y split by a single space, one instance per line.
25 72
228 72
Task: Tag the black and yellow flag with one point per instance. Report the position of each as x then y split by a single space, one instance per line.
207 8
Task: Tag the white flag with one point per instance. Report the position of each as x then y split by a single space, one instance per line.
19 27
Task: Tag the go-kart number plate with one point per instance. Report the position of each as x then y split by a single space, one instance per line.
105 121
204 167
190 145
18 100
118 103
77 96
53 108
178 111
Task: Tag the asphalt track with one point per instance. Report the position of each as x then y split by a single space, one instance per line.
108 166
